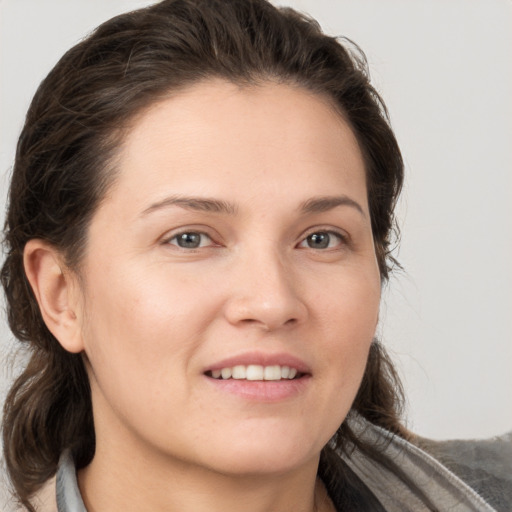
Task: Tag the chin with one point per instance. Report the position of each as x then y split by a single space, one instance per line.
258 464
265 454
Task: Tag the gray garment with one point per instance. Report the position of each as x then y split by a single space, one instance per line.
445 490
69 498
484 464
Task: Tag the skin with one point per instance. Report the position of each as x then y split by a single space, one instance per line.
151 317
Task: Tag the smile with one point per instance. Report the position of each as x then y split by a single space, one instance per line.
255 372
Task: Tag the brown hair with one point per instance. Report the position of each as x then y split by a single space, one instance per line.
63 168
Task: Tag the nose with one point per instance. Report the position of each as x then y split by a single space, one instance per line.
265 293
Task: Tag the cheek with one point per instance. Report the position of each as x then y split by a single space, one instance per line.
347 314
138 341
348 304
144 323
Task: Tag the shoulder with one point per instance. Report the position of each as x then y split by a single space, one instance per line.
484 464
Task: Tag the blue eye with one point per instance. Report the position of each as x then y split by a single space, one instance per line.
322 240
190 240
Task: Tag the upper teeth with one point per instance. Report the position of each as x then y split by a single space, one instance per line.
255 372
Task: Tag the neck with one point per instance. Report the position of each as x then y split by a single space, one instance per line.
115 482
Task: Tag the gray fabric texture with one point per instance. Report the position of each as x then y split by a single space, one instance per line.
68 493
485 465
444 490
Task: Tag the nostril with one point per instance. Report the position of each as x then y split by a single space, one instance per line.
249 321
267 324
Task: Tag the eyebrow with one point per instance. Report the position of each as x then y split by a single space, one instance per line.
326 203
201 204
206 204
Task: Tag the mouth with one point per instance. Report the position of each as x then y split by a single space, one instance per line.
256 372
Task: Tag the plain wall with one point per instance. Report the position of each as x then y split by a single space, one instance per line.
444 69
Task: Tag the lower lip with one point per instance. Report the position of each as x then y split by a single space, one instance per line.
262 391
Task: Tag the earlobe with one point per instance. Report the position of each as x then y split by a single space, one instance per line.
55 291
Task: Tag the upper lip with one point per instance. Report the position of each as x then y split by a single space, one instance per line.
263 359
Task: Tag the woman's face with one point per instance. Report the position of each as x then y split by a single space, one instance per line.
236 239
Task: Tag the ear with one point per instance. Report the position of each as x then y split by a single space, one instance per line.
56 291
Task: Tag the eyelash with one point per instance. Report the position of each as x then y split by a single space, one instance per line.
342 239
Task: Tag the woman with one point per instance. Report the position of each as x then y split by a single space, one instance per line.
198 231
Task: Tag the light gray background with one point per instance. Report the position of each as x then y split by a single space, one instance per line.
444 69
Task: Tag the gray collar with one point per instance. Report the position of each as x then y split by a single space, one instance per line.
444 489
68 493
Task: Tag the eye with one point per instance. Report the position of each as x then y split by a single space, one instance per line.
322 240
190 240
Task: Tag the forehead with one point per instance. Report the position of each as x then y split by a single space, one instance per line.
219 138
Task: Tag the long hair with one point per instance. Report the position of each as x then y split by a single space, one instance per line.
64 167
